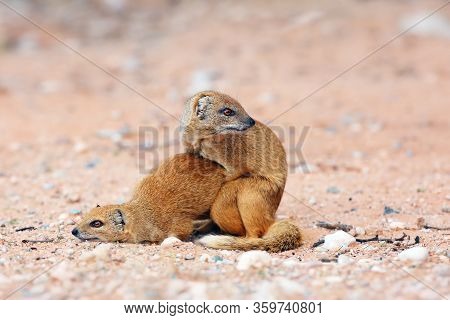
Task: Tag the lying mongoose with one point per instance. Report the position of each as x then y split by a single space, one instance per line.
165 203
217 127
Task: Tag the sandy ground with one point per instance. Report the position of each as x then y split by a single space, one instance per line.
378 137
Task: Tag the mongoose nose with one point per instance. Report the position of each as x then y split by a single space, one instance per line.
251 122
75 232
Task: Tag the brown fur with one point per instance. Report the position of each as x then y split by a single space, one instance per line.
164 204
254 159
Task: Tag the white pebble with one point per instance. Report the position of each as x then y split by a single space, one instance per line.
255 259
291 263
397 225
170 242
343 259
61 271
360 231
416 254
101 253
338 240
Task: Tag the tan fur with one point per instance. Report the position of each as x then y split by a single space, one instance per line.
164 204
281 236
254 159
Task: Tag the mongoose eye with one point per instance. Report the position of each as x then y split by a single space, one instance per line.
228 112
96 224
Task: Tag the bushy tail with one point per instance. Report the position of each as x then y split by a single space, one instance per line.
281 236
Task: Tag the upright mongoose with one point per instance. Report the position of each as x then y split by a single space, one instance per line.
217 127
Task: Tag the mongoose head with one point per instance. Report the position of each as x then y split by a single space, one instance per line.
106 223
209 113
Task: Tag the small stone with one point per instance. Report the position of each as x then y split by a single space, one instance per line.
416 254
48 186
61 271
253 259
92 164
291 263
171 242
360 231
344 259
205 258
75 211
389 210
189 257
369 248
73 198
62 216
101 253
312 201
338 240
442 270
333 279
80 147
446 209
333 189
217 259
378 269
397 225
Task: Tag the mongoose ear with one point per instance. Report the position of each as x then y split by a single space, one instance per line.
119 218
195 107
98 206
202 105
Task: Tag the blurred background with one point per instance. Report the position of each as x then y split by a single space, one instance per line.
79 78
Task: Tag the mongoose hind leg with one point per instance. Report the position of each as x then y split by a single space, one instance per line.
182 229
225 212
203 226
257 205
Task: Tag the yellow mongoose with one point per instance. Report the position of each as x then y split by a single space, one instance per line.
216 126
166 203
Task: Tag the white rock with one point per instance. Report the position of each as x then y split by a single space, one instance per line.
338 240
289 286
397 225
253 259
291 263
344 259
101 253
360 231
80 147
416 254
437 25
170 242
333 279
61 271
378 269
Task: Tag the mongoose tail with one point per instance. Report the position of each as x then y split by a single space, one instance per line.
281 236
